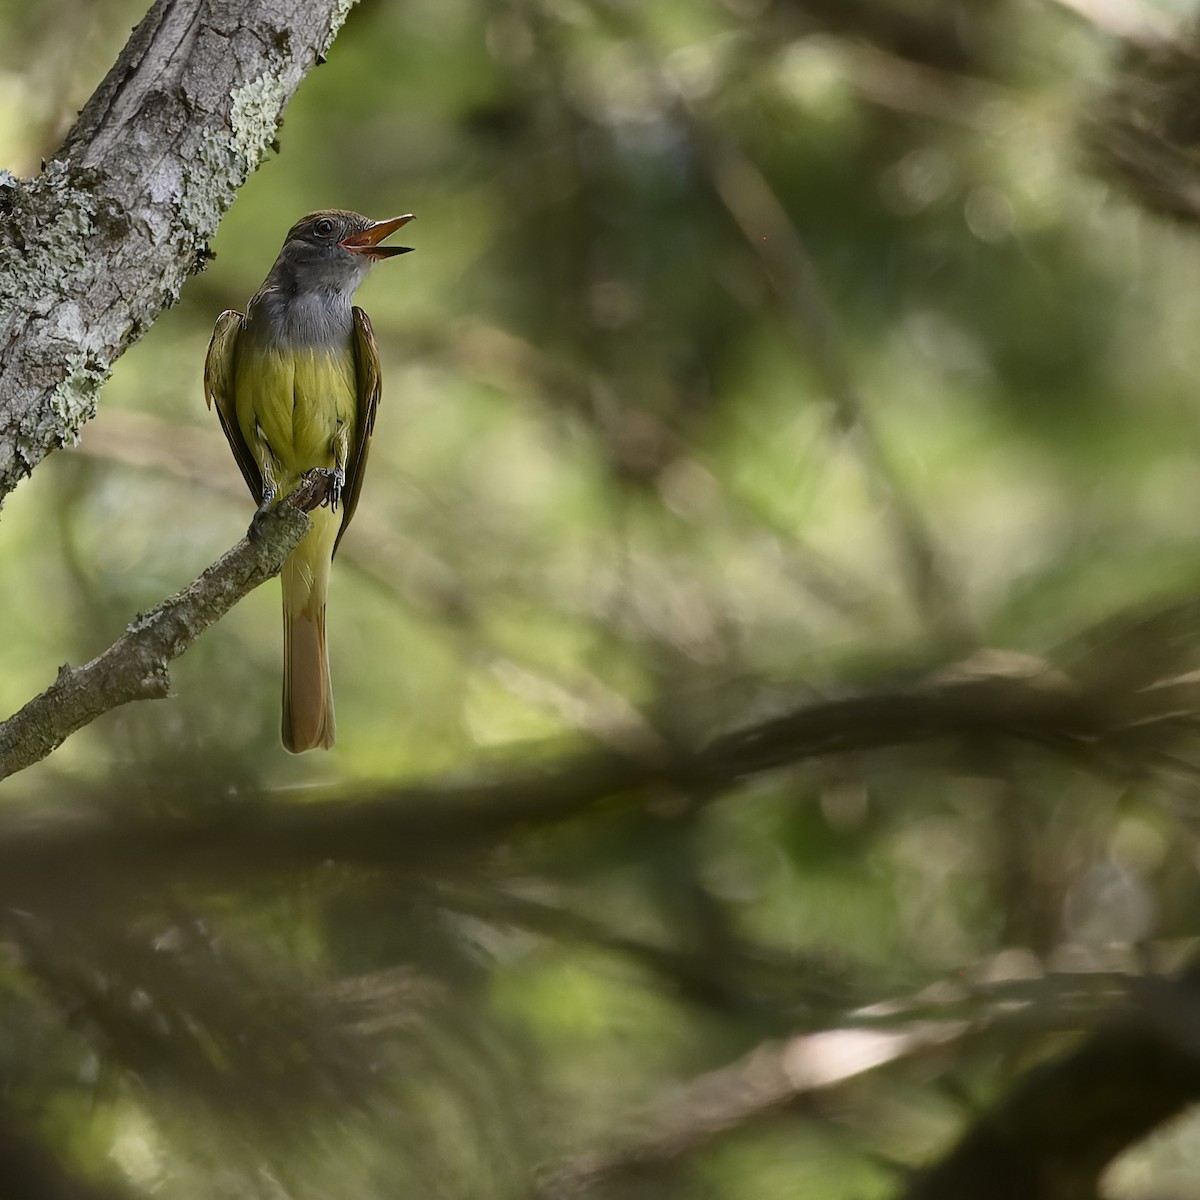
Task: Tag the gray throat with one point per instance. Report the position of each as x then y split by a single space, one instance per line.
285 315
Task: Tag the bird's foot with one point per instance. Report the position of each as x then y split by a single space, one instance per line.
317 486
331 482
337 485
256 524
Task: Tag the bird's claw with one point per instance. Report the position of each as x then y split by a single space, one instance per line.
256 523
337 484
317 486
255 532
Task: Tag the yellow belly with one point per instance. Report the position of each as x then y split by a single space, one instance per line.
298 399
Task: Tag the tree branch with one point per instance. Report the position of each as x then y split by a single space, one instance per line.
775 1079
134 667
97 246
781 1078
428 826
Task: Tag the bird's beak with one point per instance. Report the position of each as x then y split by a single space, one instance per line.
367 242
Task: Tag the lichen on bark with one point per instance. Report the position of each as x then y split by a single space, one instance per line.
103 240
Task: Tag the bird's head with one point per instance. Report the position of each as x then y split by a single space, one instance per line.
333 249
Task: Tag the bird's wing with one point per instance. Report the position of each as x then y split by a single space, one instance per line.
219 389
366 362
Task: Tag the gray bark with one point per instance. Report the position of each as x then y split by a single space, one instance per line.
101 242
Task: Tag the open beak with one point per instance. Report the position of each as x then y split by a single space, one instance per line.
367 242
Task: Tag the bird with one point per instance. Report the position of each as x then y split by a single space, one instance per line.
295 383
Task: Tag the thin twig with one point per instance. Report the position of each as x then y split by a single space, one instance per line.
778 1076
134 667
773 1078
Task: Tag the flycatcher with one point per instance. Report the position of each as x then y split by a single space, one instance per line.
295 380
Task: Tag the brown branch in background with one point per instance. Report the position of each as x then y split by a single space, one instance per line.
134 667
730 985
794 1076
778 1079
426 827
771 1081
98 245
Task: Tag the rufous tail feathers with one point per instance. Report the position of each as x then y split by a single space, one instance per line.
307 693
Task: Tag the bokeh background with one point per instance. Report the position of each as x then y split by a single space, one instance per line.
751 351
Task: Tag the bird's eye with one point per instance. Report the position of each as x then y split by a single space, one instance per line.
324 227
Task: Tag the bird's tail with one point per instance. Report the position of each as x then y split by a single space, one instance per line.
307 692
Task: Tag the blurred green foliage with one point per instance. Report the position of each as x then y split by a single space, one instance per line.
611 499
